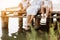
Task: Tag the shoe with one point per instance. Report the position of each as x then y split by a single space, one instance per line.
26 28
43 21
42 15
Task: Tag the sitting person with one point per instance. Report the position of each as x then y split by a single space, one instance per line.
21 7
24 4
46 9
32 11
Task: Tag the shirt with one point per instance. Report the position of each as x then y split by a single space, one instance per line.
35 2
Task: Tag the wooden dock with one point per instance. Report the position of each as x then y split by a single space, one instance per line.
6 16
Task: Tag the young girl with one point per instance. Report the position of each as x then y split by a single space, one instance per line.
21 7
24 4
32 11
46 9
46 4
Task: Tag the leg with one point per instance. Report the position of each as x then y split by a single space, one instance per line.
50 9
32 16
47 11
42 11
28 19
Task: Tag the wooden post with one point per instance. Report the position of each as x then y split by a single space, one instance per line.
4 20
20 21
58 19
37 22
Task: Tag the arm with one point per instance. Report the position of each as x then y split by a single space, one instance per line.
42 9
51 8
24 9
20 6
51 5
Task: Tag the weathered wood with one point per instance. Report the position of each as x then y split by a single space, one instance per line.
4 20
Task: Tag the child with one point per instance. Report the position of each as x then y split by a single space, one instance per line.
46 4
21 7
32 11
24 4
46 7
